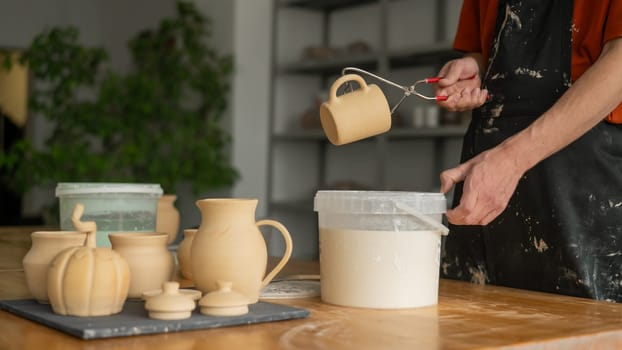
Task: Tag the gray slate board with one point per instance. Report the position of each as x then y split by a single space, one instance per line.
134 320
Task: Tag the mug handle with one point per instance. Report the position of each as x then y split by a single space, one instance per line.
288 249
344 79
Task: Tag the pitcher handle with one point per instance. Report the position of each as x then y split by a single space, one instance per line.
288 248
342 80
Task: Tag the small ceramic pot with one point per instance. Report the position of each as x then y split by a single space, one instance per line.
167 220
45 246
183 253
146 253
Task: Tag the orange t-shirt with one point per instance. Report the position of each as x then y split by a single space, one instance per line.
594 23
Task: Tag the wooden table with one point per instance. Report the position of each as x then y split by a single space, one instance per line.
468 316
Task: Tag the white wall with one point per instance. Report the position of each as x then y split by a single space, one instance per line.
251 96
121 19
21 20
241 28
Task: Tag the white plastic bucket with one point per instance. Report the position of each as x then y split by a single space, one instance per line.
380 249
115 207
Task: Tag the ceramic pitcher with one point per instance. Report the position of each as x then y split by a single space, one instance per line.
45 246
228 246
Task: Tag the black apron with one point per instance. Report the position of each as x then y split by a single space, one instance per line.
562 229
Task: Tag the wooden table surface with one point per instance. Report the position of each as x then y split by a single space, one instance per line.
468 316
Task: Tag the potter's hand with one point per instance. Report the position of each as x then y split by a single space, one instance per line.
489 181
461 84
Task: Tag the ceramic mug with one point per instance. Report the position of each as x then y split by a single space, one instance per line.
355 115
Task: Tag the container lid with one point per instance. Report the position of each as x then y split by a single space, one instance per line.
170 304
192 293
224 297
73 188
224 301
379 202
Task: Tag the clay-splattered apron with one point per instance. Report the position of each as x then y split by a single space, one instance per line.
562 229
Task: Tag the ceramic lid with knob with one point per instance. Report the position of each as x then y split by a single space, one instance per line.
191 293
224 302
170 304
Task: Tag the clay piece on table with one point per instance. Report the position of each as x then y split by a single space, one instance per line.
319 52
224 302
170 304
290 290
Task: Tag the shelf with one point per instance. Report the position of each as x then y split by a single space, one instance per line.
399 133
324 5
418 133
300 135
437 53
332 65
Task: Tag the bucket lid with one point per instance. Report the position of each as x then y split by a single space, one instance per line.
417 204
76 188
379 202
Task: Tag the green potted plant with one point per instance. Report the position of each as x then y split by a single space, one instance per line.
161 122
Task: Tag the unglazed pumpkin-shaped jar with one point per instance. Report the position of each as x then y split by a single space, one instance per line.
229 247
183 253
167 217
150 262
45 246
87 280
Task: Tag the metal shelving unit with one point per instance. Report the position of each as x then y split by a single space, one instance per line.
324 5
382 61
421 55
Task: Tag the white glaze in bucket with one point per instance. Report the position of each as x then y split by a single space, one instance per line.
379 269
380 249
